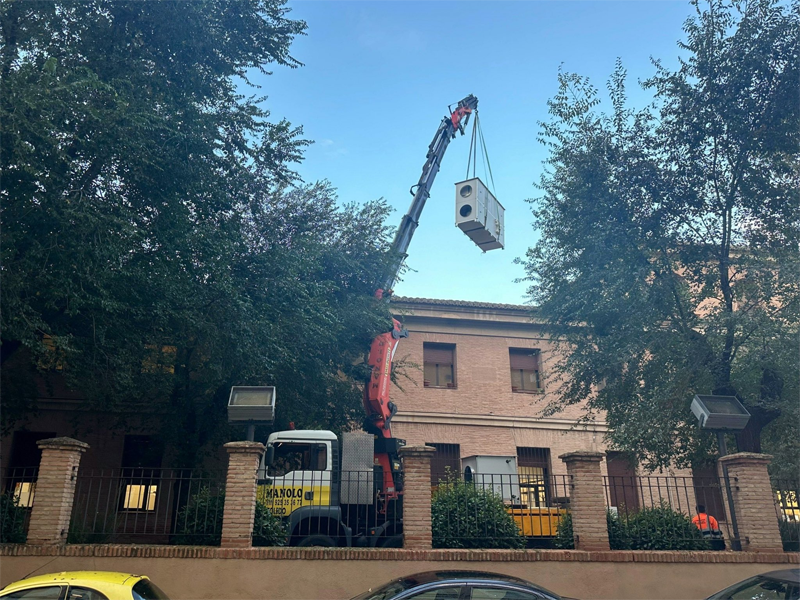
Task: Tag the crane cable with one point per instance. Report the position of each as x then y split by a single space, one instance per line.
476 140
477 136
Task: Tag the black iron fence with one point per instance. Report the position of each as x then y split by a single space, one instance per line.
484 510
154 506
16 500
787 508
324 508
667 513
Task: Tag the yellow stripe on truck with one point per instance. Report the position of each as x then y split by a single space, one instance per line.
283 500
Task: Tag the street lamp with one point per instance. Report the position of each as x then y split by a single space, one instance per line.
721 414
251 404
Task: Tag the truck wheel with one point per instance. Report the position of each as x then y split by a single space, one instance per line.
317 540
393 541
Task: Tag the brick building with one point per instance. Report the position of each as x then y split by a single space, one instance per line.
482 385
484 378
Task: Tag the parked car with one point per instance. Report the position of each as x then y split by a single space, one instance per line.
84 585
777 585
458 585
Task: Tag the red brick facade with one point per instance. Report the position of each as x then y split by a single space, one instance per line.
481 413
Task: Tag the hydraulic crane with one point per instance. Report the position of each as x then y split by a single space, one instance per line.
349 492
379 408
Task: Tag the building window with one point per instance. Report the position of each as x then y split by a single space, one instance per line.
440 365
525 370
20 480
533 466
141 469
446 460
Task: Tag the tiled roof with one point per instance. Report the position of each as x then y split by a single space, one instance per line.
464 303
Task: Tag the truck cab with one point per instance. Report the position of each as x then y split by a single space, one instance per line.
327 496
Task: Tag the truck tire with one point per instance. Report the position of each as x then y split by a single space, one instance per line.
317 539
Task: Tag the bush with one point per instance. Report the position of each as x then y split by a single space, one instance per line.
464 515
12 520
661 528
565 536
790 535
268 530
657 528
618 538
200 522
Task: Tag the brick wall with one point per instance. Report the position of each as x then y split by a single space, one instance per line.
334 573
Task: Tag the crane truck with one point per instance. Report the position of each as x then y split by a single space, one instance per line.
351 493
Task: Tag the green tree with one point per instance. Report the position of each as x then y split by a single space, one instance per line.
157 245
668 258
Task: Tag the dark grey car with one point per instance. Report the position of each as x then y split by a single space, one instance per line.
458 585
775 585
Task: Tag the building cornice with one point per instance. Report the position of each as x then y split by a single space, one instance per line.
431 418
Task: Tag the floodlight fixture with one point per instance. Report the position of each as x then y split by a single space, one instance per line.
252 404
720 413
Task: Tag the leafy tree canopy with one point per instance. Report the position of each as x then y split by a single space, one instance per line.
668 258
157 245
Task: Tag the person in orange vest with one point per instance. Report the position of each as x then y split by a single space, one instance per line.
705 522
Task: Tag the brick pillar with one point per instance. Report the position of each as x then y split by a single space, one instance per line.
417 496
55 490
753 501
587 500
240 494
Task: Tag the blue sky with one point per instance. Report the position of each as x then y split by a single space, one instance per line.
378 78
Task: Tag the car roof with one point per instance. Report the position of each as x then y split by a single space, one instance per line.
431 577
790 575
74 577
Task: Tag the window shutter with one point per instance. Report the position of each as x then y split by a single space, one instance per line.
527 360
439 354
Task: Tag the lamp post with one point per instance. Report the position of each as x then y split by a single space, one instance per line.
251 405
721 414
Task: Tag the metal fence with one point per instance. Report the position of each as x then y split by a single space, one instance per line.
154 506
484 510
18 492
667 513
325 508
787 508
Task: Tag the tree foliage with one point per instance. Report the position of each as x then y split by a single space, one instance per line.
668 258
157 245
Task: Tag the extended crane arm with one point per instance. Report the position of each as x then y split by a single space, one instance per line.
422 191
377 405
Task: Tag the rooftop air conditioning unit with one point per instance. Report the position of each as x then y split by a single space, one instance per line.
495 473
480 215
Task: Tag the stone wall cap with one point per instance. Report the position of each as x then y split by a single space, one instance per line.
582 456
246 447
747 457
62 442
421 450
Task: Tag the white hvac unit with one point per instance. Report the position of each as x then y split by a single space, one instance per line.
480 215
495 473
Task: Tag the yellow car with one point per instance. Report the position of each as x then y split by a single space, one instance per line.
84 585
